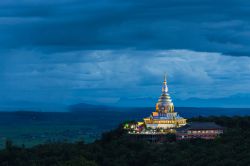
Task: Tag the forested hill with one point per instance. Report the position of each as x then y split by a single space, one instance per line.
83 121
113 149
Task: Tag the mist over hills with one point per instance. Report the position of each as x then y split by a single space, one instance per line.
145 111
23 105
123 109
234 101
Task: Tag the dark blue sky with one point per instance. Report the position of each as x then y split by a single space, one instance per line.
56 53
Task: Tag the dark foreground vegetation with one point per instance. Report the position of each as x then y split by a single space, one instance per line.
114 149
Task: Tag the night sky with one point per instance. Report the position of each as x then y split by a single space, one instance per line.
115 52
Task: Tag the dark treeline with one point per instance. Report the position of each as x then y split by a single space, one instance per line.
114 149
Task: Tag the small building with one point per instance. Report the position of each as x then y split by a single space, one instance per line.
203 130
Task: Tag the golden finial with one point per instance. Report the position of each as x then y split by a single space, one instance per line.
165 78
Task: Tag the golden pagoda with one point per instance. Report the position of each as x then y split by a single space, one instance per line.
164 116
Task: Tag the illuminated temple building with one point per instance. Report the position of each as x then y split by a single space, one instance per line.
164 121
164 116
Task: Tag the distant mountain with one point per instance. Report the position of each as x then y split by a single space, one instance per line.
137 102
234 101
117 107
127 104
87 107
146 111
31 106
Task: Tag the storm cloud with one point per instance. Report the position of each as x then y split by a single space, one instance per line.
103 51
107 76
200 25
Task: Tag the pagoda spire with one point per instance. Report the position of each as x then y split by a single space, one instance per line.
165 79
164 86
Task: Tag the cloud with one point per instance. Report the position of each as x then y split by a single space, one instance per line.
72 51
97 74
58 26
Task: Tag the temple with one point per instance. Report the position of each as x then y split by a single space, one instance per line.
164 116
164 121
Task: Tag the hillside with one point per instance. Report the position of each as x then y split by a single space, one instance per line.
83 122
114 149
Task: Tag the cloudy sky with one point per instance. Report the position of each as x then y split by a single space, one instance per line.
115 52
